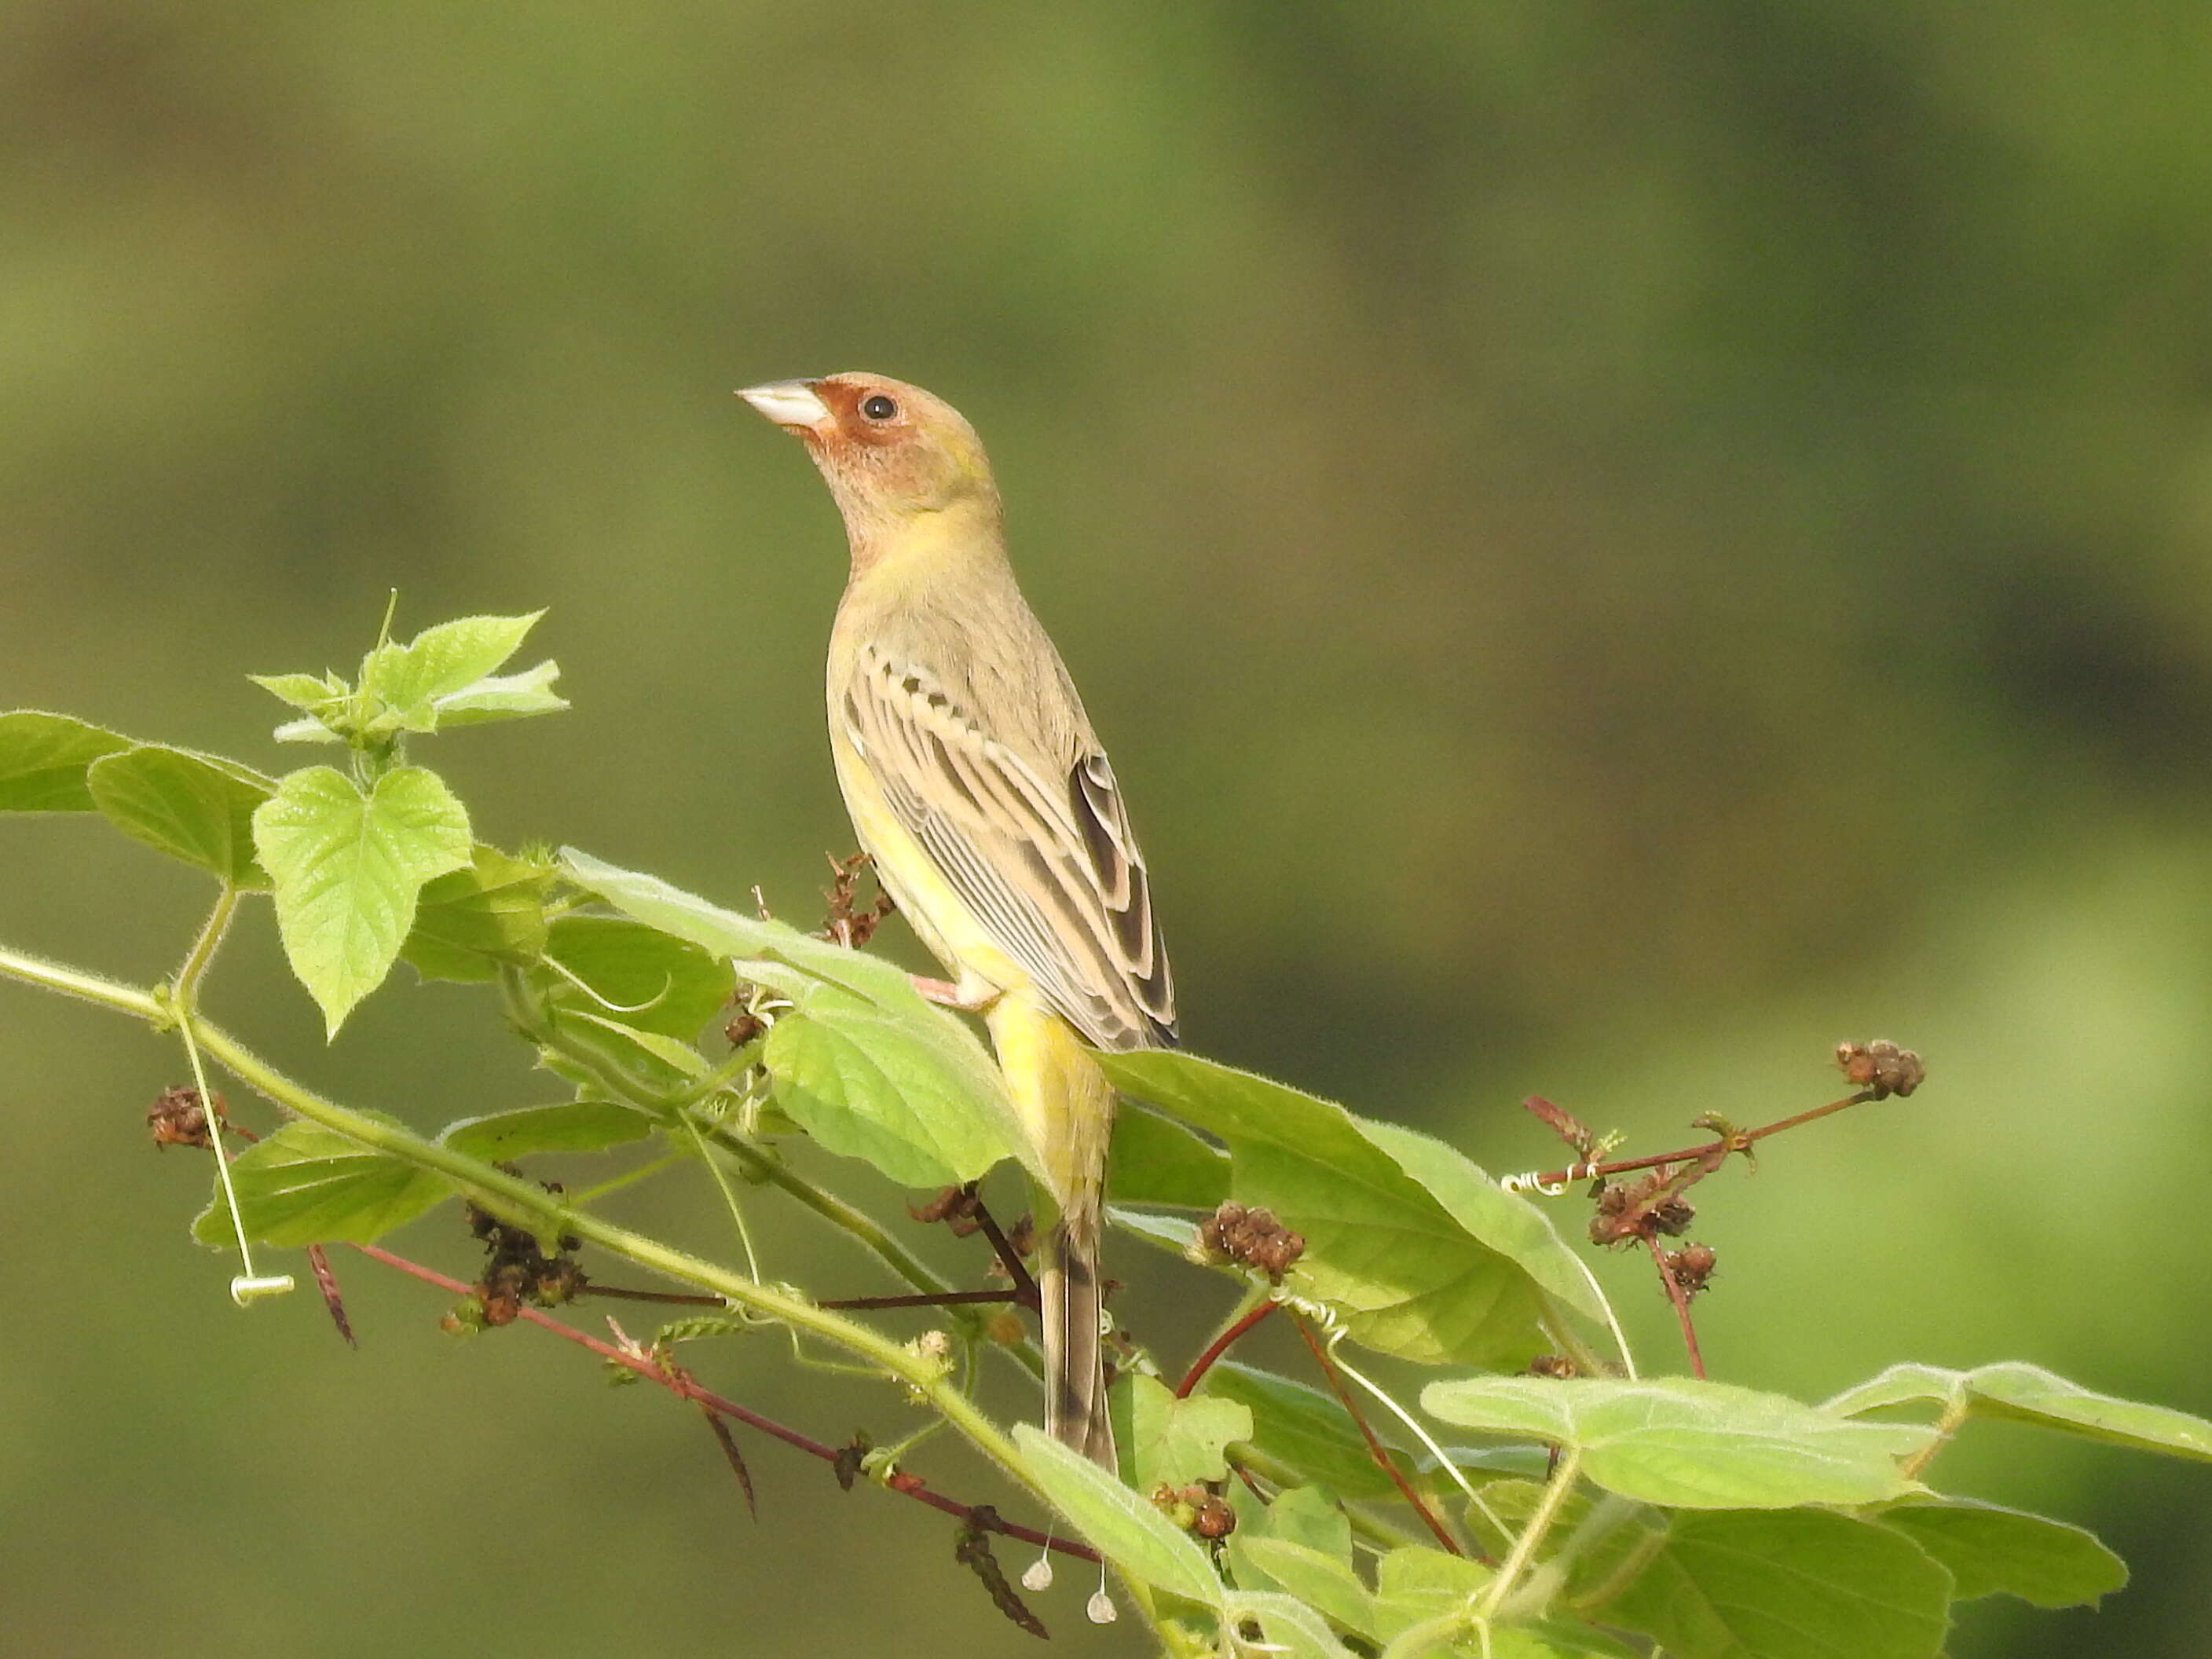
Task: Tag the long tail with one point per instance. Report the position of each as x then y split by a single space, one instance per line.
1067 1107
1075 1371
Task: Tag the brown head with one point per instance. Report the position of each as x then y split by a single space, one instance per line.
893 453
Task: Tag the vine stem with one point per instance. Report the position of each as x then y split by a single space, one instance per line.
909 1485
758 1166
1220 1346
1375 1449
544 1211
1556 1491
1681 1298
1741 1140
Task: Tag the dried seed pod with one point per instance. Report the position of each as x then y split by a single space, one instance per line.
1882 1066
1692 1266
177 1119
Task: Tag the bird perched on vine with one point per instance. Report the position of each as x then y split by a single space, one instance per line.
975 782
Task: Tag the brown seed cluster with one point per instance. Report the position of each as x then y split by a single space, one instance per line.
847 924
955 1207
1882 1066
1196 1509
177 1119
517 1270
1632 1209
1693 1267
1251 1238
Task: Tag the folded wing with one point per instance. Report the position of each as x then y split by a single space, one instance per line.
1047 864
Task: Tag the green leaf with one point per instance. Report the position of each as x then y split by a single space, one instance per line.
1171 1233
2016 1392
1320 1580
1115 1520
502 698
1303 1515
1415 1583
347 869
192 807
308 691
309 1185
638 975
1686 1444
1287 1626
1155 1160
1302 1429
1803 1585
471 923
1177 1441
859 1083
573 1126
1438 1266
882 1075
44 759
409 679
1992 1551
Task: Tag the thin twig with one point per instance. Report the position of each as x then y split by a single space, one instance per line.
1220 1346
1375 1446
1025 1285
1742 1140
1682 1301
912 1486
950 1298
677 1298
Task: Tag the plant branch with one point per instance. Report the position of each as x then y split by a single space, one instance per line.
641 1363
545 1213
184 988
1026 1291
1221 1344
1375 1449
1533 1534
1681 1298
759 1165
1741 1140
864 1228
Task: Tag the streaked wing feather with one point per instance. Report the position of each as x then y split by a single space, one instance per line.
1051 870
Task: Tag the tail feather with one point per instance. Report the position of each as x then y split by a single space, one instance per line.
1066 1108
1075 1370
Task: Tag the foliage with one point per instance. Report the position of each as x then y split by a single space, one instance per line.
1594 1511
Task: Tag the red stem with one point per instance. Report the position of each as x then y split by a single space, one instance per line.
912 1486
1735 1143
1374 1446
1025 1285
1220 1346
1681 1298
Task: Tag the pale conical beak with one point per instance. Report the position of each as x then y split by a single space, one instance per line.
790 403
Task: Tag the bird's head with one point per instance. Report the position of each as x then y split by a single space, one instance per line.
892 452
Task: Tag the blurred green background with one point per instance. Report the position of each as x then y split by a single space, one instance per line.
1613 545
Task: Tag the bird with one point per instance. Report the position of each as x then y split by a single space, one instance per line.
979 789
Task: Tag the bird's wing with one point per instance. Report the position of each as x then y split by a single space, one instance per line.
1048 866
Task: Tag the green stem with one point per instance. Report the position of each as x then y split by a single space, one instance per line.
85 988
1955 1413
186 987
548 1212
1532 1534
729 1195
530 1018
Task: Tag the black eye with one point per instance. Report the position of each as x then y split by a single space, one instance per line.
879 408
